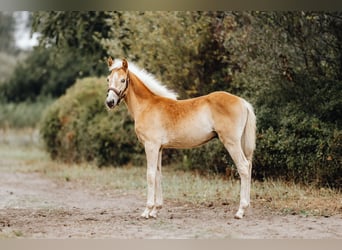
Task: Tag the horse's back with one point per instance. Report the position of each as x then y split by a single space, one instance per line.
224 103
216 105
224 97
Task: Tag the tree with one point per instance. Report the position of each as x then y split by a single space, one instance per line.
7 27
297 95
191 57
7 49
69 49
79 30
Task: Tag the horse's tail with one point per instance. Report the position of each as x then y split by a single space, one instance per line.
248 136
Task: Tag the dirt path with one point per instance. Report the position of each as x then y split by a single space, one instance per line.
34 206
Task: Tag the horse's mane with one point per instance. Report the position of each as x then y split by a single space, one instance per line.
147 79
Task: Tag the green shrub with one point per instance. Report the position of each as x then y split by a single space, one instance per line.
303 149
299 130
7 63
211 157
23 114
78 127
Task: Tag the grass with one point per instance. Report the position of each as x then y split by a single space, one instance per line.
292 198
18 233
21 151
8 234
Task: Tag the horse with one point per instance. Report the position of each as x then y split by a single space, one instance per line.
161 121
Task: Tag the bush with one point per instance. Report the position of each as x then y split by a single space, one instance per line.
304 150
23 114
7 63
209 158
78 127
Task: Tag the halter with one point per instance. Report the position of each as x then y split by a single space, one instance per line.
120 93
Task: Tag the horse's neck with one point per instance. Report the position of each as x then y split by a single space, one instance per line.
138 96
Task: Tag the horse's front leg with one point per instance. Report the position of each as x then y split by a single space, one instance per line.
152 156
158 188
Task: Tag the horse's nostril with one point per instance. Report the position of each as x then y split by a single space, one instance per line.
110 103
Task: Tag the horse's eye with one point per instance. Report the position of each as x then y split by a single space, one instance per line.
123 80
107 79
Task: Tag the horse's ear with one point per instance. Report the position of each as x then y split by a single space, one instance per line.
124 64
110 61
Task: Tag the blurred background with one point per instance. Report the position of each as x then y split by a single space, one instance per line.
287 64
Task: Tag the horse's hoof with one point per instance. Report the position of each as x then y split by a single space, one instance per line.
238 215
153 213
146 214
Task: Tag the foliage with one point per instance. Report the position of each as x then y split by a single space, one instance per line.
303 150
77 127
63 56
73 29
7 25
299 112
287 64
23 114
7 63
189 57
8 51
40 75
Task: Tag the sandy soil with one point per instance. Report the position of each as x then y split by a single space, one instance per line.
34 206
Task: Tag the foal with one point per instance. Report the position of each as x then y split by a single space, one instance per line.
162 121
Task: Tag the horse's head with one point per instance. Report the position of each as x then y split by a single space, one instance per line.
117 82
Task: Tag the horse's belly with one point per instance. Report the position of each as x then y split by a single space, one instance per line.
190 130
188 138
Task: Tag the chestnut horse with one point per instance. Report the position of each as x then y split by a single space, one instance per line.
162 121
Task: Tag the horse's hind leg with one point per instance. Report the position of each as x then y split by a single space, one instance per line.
249 182
242 164
248 152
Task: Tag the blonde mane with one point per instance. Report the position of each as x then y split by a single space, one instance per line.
148 80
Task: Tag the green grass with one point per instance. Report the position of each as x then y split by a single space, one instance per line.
8 234
292 198
190 187
19 154
177 185
18 233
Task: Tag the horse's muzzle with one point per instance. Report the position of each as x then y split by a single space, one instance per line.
110 104
112 99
